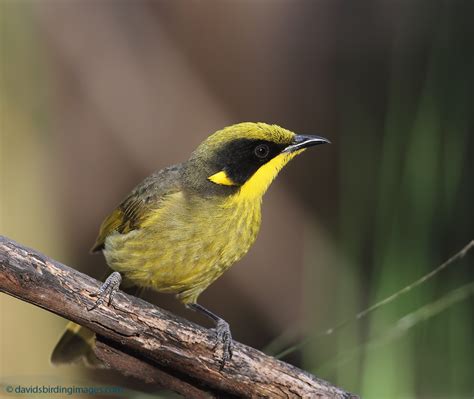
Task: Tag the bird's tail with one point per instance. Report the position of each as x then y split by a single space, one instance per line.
77 343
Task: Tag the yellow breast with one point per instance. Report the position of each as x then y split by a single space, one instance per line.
185 245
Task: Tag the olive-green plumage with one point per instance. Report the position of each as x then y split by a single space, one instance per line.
184 225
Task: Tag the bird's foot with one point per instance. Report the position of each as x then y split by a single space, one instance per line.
222 331
224 337
107 290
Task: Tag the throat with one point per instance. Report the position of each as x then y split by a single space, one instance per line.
256 186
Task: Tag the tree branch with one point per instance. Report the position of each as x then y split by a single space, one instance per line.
140 339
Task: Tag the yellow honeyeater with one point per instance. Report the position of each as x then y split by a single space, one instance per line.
185 225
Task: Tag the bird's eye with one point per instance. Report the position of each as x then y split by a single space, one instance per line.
262 151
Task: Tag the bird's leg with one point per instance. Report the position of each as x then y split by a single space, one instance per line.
223 334
108 289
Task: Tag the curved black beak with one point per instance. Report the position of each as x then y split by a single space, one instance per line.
304 141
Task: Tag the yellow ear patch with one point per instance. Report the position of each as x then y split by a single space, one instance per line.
221 178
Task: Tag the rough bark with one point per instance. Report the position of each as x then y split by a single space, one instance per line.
140 339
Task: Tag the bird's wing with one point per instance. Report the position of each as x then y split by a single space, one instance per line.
133 210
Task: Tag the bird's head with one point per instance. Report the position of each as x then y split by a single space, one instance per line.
244 158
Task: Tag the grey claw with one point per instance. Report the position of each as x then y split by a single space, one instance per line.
224 336
108 289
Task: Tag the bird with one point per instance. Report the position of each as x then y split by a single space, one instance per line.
183 226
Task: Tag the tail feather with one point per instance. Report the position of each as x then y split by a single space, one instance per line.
77 343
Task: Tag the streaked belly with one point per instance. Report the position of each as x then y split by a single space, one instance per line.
184 250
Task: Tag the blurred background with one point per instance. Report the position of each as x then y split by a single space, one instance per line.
97 95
